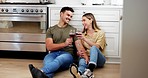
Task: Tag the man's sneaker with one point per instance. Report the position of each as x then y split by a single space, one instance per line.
36 73
88 74
74 71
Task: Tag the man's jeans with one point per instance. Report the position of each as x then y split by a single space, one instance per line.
56 60
96 57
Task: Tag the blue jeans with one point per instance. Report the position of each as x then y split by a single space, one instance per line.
57 60
96 57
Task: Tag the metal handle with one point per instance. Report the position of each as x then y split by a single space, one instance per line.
84 12
121 17
22 15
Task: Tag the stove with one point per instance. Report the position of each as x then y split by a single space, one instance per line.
23 9
28 30
23 12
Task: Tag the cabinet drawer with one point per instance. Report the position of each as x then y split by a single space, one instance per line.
100 14
106 26
109 26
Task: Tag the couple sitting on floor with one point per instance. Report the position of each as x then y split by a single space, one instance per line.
89 44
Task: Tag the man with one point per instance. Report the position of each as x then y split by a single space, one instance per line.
57 42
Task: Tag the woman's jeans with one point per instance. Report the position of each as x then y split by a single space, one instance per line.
96 57
57 60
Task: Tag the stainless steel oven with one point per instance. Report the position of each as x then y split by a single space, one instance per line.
23 27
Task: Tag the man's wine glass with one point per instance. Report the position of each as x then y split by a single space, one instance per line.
72 34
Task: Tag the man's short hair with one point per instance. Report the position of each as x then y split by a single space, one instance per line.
67 9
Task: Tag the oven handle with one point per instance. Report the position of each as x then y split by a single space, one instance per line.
22 15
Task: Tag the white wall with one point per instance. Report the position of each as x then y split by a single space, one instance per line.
67 2
134 62
88 2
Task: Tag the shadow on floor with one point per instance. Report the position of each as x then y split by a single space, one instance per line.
22 54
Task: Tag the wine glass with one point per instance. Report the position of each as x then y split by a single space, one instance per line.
72 34
79 31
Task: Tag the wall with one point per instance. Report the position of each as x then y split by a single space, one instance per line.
88 2
134 62
67 2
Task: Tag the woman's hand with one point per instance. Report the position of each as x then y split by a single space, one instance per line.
80 36
84 55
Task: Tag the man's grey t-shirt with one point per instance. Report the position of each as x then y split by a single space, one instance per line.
59 35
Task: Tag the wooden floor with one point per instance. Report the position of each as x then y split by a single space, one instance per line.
18 68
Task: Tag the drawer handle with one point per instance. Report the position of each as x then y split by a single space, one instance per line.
84 12
106 44
121 17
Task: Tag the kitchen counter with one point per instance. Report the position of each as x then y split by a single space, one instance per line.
98 6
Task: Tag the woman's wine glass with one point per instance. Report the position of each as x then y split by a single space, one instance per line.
79 31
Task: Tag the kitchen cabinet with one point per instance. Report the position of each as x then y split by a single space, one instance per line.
109 18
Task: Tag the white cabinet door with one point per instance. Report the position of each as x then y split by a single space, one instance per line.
112 41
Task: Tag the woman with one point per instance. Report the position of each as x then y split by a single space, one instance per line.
93 39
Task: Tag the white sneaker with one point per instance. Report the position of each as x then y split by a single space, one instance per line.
88 74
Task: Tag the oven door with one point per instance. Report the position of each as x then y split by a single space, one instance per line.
23 32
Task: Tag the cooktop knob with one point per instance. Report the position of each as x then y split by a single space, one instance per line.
41 10
31 10
6 10
2 10
27 10
22 10
36 10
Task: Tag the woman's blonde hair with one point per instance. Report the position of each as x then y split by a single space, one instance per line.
94 23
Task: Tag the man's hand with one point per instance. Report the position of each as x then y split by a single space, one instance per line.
68 41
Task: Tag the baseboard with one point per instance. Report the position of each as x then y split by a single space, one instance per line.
113 60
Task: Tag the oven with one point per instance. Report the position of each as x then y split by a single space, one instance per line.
23 27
